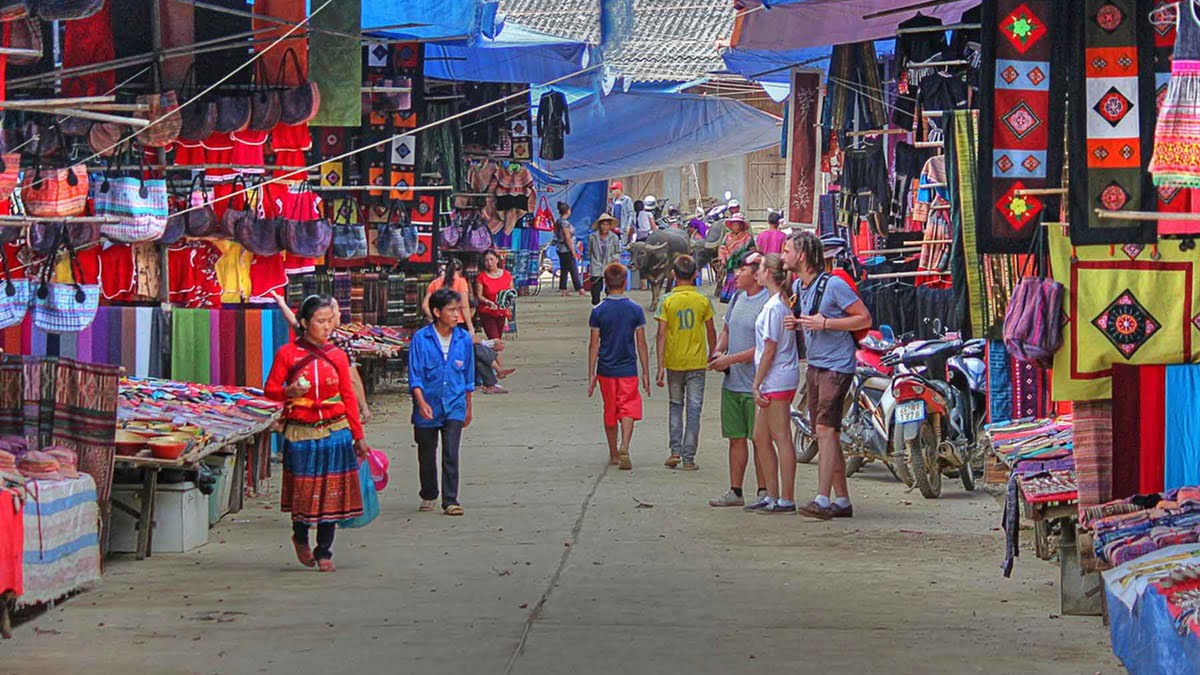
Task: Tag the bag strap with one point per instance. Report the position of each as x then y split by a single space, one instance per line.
302 77
9 289
316 353
819 295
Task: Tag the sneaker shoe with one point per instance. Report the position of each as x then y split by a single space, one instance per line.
842 512
762 503
730 498
778 510
812 510
689 466
623 462
672 461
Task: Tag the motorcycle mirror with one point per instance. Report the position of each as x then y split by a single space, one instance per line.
887 332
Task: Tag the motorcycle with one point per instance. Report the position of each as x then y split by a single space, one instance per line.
867 424
940 410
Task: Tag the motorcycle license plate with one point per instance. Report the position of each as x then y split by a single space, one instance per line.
913 411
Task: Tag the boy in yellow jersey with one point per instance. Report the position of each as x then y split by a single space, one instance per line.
686 338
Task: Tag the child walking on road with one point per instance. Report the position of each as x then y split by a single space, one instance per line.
618 344
686 337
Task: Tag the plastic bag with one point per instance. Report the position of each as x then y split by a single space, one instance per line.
370 499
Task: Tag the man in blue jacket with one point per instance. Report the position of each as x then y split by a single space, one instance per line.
441 377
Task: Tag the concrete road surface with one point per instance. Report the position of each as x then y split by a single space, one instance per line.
557 569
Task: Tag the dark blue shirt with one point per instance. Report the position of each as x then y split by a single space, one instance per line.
617 319
444 380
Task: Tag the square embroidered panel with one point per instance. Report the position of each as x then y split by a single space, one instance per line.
1113 46
1020 129
1122 306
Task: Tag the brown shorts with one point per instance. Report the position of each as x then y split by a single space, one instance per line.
826 390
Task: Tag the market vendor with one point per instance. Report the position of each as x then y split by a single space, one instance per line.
360 392
322 444
453 278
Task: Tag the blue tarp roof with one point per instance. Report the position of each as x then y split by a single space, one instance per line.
773 66
429 19
517 54
629 133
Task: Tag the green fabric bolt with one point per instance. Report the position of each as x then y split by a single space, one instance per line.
335 64
961 149
191 345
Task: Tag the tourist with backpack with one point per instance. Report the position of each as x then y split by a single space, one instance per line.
827 312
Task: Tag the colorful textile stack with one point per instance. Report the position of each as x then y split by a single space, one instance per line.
62 541
366 340
130 337
68 461
39 465
1033 440
8 463
1153 610
222 412
1160 520
230 347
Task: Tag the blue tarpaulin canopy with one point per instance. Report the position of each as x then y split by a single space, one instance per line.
428 19
763 65
629 133
517 54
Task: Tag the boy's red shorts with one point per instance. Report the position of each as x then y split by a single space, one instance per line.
621 399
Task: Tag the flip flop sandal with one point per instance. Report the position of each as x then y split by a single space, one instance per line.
454 510
304 554
426 505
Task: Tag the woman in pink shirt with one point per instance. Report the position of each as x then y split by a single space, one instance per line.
771 241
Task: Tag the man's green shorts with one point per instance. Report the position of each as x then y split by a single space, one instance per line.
737 414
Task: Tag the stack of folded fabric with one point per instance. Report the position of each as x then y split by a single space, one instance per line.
1127 529
1033 440
8 463
68 460
221 412
39 465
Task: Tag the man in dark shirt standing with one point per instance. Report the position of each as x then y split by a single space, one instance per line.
618 344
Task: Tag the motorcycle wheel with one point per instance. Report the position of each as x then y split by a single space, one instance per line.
923 462
898 466
854 465
804 443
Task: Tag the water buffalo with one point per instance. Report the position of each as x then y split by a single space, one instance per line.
655 256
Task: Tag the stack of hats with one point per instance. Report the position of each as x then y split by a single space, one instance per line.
68 461
39 465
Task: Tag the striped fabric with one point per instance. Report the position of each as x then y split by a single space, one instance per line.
320 479
963 146
61 311
131 337
228 346
1093 452
62 541
342 293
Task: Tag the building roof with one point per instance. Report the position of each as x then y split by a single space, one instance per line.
671 40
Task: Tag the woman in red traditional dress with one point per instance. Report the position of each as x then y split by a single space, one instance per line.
322 443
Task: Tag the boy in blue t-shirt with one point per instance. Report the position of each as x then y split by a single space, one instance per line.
618 343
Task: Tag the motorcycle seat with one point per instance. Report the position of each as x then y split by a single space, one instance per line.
878 382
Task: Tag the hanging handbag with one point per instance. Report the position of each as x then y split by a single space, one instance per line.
42 140
45 238
265 109
138 204
301 103
391 101
349 235
63 308
163 114
198 119
64 10
233 113
260 234
200 220
235 214
75 127
305 233
14 299
544 218
104 138
452 235
479 237
55 193
10 174
389 239
176 221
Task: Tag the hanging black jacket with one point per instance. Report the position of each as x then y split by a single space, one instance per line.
553 121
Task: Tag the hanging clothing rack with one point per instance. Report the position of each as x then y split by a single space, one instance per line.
907 249
907 275
1144 215
939 28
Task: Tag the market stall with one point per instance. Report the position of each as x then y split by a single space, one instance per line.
168 425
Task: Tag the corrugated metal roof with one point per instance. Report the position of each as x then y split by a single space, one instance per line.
671 39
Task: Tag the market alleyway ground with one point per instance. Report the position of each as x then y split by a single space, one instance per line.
562 566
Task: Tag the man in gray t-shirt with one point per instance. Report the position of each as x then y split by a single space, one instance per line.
828 326
735 356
